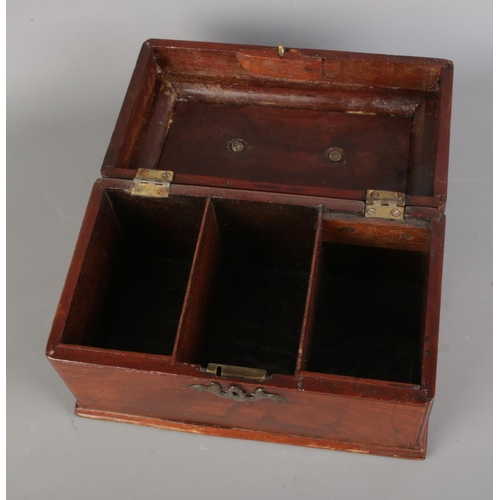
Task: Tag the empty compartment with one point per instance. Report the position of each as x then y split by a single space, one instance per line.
257 302
132 286
369 308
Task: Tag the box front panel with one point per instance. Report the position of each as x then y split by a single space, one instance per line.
306 414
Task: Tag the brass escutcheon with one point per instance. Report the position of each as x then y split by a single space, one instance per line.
236 393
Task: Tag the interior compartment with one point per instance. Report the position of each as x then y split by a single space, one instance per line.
253 294
133 282
255 305
369 306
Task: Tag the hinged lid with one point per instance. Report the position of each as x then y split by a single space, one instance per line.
316 123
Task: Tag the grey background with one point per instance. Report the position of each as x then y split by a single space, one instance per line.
69 64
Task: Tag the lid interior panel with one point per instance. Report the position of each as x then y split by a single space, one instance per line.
385 119
288 146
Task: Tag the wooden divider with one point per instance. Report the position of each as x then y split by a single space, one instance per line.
311 301
189 341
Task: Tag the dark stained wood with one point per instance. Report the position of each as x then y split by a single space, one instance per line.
135 110
242 75
288 146
127 232
311 301
84 318
317 382
426 213
424 428
376 233
259 298
341 68
295 66
350 206
368 311
383 390
433 306
112 357
324 196
166 226
166 396
198 61
395 102
418 453
264 258
421 174
77 262
163 236
443 130
385 72
199 290
156 128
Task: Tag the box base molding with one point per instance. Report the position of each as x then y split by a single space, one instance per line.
211 430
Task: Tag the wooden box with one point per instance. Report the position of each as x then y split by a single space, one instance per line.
262 256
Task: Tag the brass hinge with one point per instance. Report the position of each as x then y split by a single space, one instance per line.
236 371
152 183
385 204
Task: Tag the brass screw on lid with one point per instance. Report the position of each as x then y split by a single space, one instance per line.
237 146
334 155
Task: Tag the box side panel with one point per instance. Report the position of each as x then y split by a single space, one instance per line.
443 132
136 109
311 415
432 306
349 68
97 198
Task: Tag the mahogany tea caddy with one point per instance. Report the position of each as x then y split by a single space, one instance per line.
262 256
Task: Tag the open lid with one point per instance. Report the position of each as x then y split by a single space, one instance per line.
318 123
